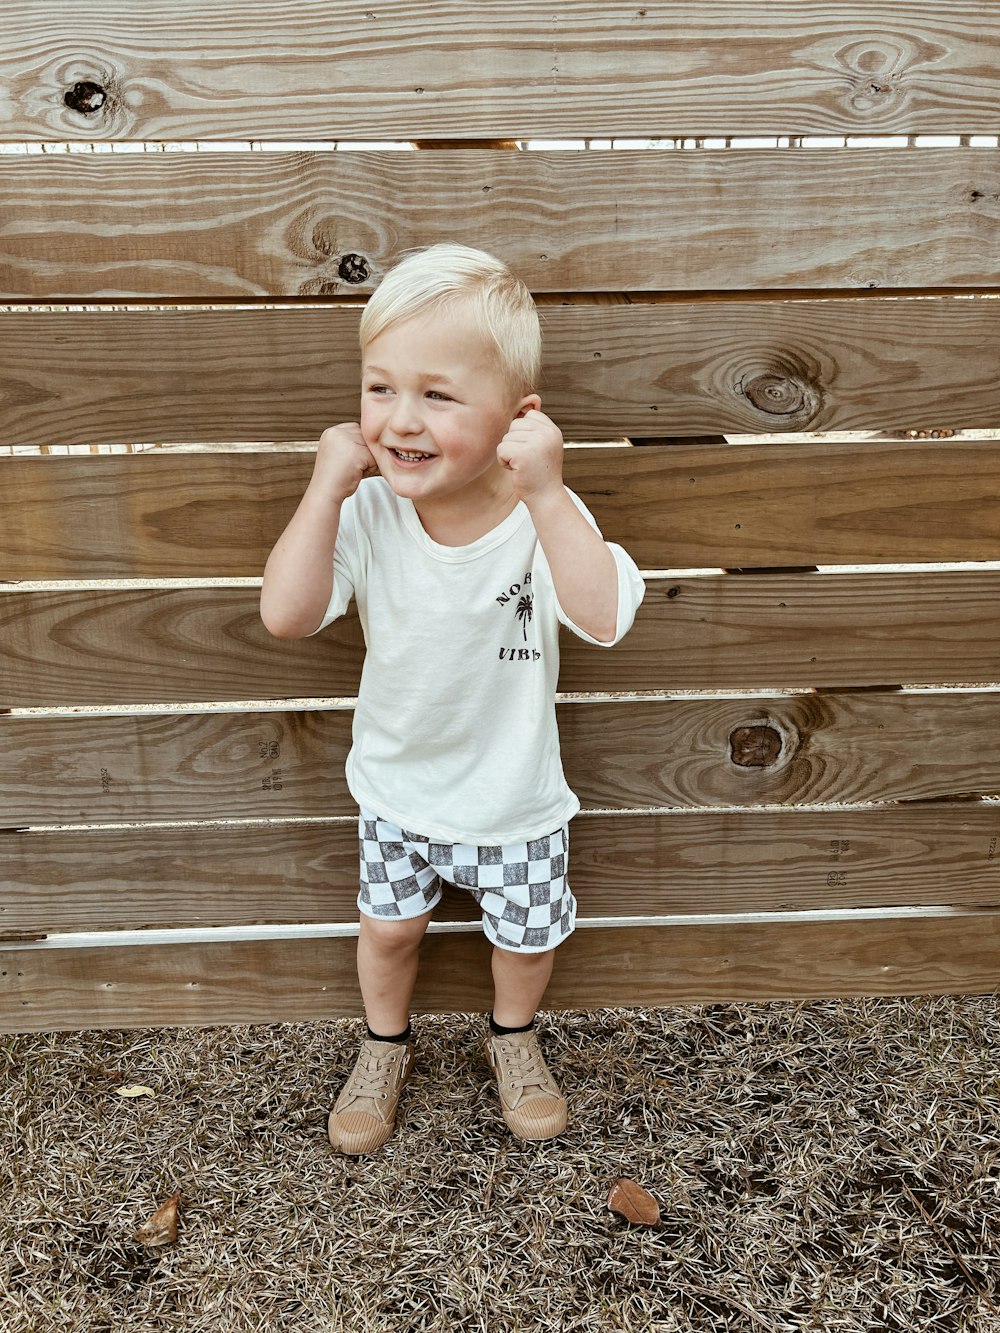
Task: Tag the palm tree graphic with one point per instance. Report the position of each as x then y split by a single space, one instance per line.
523 613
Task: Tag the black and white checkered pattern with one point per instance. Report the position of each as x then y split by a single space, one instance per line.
521 887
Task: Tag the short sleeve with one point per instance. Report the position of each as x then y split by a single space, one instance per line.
631 587
345 566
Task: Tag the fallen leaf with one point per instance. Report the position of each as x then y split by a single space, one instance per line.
632 1202
135 1090
161 1228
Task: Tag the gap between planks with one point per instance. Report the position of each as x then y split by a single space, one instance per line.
572 297
649 576
587 812
243 934
348 703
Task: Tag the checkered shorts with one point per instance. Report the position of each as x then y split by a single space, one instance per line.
521 887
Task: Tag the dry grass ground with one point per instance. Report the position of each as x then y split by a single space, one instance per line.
829 1166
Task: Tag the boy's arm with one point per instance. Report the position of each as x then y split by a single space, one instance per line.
584 571
298 576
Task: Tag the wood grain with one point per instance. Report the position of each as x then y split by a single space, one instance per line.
303 224
623 754
243 765
681 863
224 225
452 70
644 368
833 748
311 980
162 515
718 632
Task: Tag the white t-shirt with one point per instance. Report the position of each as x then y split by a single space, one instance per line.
455 731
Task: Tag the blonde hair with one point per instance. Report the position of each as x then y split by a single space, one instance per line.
445 276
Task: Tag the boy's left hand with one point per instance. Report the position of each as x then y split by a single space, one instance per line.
532 450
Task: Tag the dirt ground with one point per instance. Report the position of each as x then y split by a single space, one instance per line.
831 1166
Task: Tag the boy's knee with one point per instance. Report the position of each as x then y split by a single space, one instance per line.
394 936
527 959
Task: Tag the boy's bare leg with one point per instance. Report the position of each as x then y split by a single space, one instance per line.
364 1114
530 1100
388 956
519 981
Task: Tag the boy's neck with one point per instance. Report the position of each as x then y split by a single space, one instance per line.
450 524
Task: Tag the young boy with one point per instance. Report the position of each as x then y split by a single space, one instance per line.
444 515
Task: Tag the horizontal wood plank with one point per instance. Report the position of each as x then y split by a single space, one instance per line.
682 863
332 70
86 768
626 754
188 515
719 632
643 368
224 225
311 980
806 749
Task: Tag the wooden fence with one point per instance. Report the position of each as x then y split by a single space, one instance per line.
767 813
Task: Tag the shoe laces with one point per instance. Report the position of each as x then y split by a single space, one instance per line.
372 1081
523 1065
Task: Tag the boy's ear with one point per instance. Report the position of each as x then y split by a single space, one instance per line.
530 403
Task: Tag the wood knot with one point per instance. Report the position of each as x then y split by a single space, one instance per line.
875 68
872 91
775 394
755 747
354 269
86 98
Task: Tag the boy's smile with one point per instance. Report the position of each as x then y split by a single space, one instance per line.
434 407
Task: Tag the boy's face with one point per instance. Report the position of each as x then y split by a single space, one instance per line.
434 407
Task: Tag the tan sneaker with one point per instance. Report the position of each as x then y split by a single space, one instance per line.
530 1100
364 1114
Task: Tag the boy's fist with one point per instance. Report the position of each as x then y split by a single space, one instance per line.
532 450
342 460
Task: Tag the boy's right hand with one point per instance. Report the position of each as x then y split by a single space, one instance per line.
342 460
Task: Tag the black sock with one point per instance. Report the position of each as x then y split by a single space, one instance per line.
401 1040
499 1031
